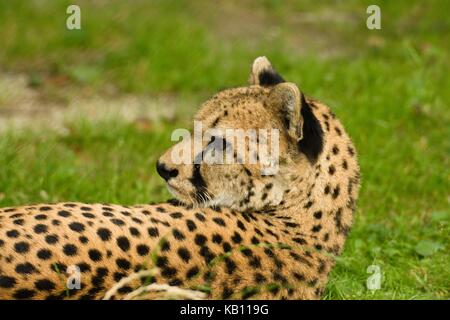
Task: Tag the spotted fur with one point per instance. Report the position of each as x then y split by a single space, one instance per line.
232 232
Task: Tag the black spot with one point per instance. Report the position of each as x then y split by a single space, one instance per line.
176 215
165 246
331 170
7 282
98 279
123 243
336 192
200 217
227 292
134 232
107 214
70 250
184 254
19 222
241 225
95 255
291 224
40 228
118 276
192 272
25 268
217 238
175 282
40 217
219 221
153 232
12 234
51 239
279 277
308 205
255 240
226 247
207 254
351 151
88 215
335 150
200 239
142 249
83 239
44 285
327 189
317 214
230 265
345 164
125 213
168 272
123 264
259 278
191 225
178 234
76 226
236 238
21 247
58 267
24 294
161 261
104 234
255 262
64 213
84 267
44 254
298 276
118 222
312 283
299 240
46 208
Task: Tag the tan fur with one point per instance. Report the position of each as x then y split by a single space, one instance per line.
258 236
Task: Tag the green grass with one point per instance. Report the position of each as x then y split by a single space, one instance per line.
388 87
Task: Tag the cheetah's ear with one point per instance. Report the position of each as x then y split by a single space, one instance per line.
285 100
300 122
264 74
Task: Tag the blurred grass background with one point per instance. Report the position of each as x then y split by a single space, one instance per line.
389 87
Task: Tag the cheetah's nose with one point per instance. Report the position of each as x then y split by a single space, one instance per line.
164 172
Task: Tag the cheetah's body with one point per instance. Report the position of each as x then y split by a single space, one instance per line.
275 238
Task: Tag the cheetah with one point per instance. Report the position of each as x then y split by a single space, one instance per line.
231 231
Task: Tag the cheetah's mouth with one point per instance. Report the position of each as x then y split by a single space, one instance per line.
174 190
197 198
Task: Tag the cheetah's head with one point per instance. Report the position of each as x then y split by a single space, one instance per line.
249 148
